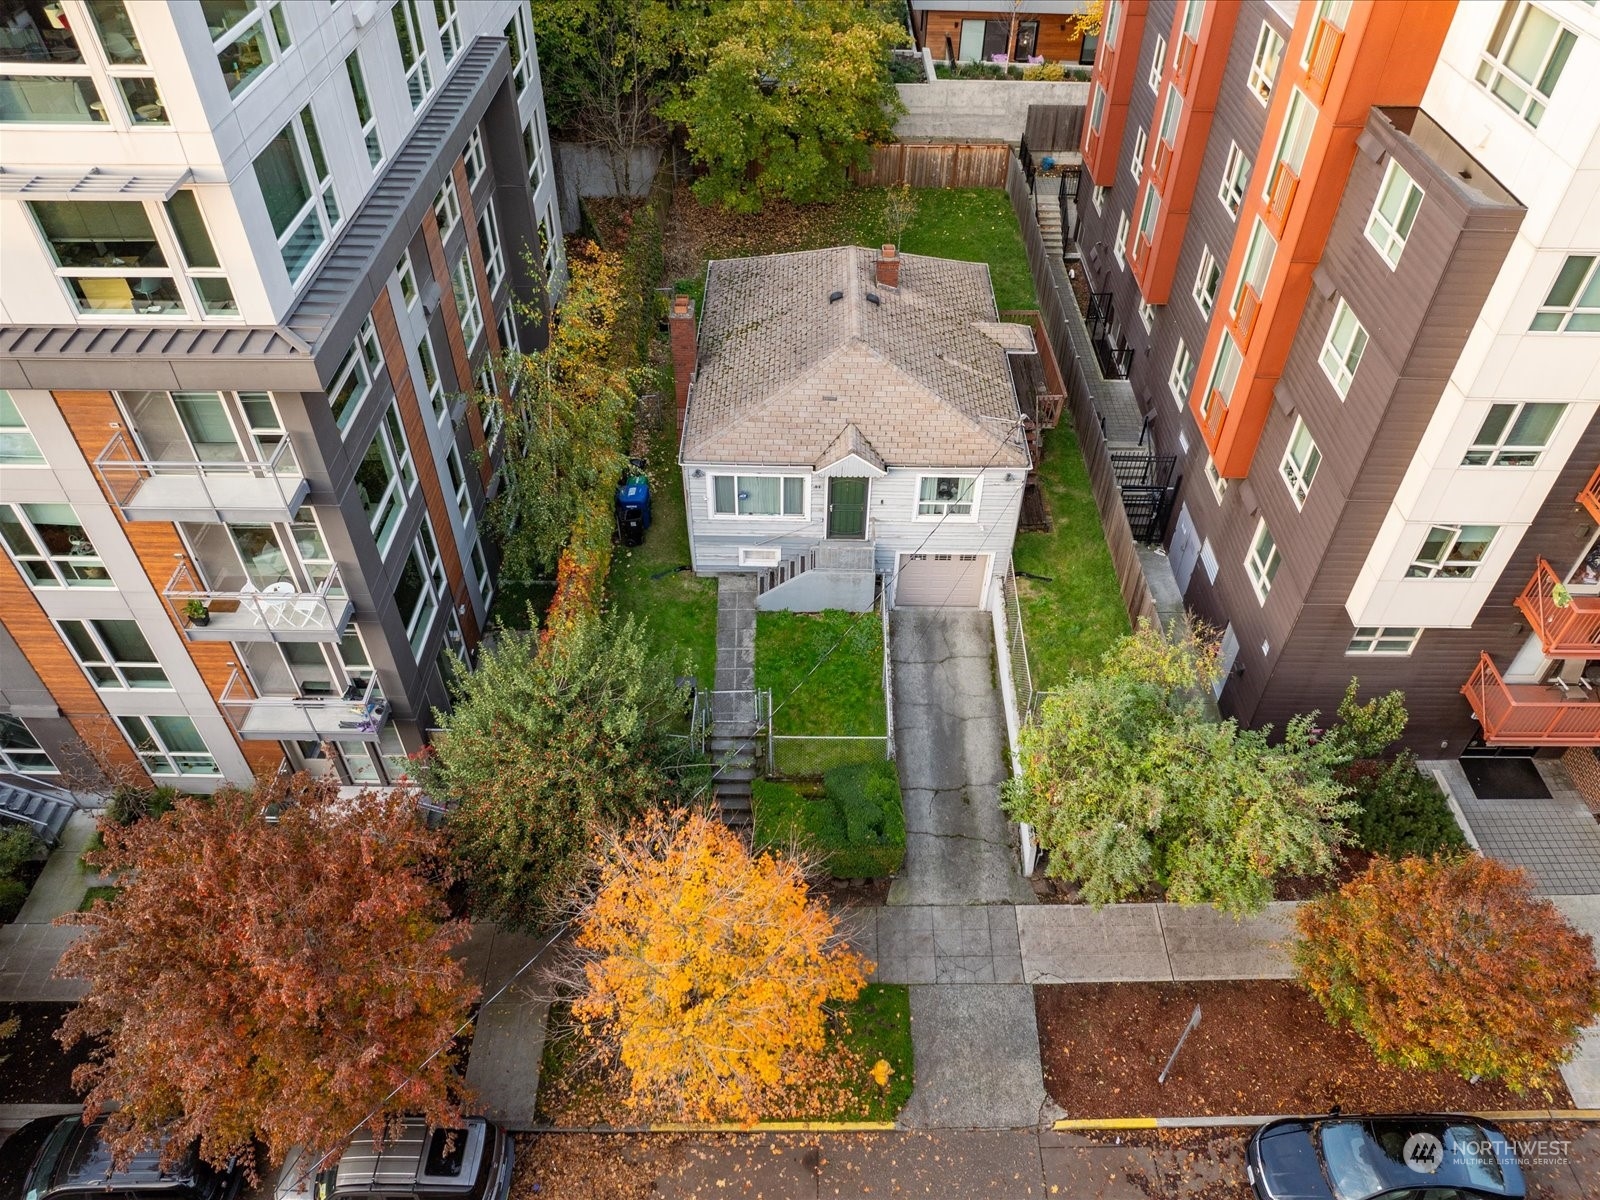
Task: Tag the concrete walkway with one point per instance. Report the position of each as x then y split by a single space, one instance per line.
1557 839
508 1041
951 925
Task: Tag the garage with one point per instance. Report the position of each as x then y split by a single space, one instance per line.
941 580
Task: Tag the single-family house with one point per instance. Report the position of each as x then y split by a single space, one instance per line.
853 416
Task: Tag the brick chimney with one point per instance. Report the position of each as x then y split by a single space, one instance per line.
681 322
888 267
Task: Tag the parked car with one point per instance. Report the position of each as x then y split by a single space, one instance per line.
417 1163
1416 1157
61 1158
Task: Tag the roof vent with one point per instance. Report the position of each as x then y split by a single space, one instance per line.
835 297
872 298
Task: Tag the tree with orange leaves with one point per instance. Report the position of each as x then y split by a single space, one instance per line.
276 978
1451 964
708 969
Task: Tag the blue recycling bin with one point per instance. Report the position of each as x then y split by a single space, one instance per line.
633 510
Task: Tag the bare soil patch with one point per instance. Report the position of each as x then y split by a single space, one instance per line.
34 1069
1263 1046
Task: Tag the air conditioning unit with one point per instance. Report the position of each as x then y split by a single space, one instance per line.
759 556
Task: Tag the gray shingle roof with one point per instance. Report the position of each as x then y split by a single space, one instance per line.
782 370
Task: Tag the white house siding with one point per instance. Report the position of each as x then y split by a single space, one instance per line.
892 524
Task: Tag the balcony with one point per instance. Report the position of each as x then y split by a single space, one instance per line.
1320 59
1530 714
1183 60
357 716
275 613
191 490
1212 414
1244 320
1590 496
1569 630
1280 196
1160 160
1141 248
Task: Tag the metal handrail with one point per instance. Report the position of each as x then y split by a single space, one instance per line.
274 611
118 456
237 694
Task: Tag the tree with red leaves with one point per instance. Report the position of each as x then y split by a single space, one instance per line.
275 967
1451 964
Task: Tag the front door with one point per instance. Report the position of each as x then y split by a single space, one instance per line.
847 507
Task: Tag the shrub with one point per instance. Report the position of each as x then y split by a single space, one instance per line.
1402 811
1450 964
13 892
856 828
129 804
1046 73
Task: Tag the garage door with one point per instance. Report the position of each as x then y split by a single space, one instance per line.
941 580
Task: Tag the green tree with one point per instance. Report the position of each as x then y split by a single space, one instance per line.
552 741
563 415
783 96
1129 784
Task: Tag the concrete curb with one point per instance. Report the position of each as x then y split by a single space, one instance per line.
758 1127
1079 1125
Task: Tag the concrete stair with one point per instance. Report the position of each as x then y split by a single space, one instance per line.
1047 192
734 759
46 815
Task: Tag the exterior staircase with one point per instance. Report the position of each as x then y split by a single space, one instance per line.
41 807
734 703
1047 204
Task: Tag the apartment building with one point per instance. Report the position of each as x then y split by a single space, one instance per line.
253 255
1346 255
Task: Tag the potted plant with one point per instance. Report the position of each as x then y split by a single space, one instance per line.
197 612
1560 597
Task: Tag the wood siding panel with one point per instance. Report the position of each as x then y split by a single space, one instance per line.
159 547
416 428
448 312
1058 39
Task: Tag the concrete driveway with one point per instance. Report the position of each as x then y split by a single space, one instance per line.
950 742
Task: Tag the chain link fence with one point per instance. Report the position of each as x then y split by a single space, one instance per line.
796 756
1021 672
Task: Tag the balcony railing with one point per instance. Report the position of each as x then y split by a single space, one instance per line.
1590 496
1160 160
1244 321
1324 53
357 716
190 490
1530 714
1569 630
1215 407
1141 248
1280 195
1183 59
279 612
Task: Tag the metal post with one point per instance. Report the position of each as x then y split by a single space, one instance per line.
1194 1021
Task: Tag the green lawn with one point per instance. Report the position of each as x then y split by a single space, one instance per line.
1072 620
843 695
680 610
879 1026
103 892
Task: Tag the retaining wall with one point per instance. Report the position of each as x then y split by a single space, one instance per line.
979 109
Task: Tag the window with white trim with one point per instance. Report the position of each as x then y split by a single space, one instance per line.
169 745
509 339
531 150
480 571
1219 485
1235 178
125 59
1206 282
1120 248
1342 349
1171 113
1514 435
1263 561
1224 374
1301 458
472 158
1147 314
20 750
758 495
1396 640
490 408
1452 551
1393 213
1158 60
365 117
421 588
114 655
1294 139
1097 109
1524 58
1150 213
247 39
406 278
432 381
1193 10
48 80
1572 305
1099 197
51 547
1141 141
519 37
353 380
448 20
1259 254
467 306
1264 66
447 209
413 51
1181 378
494 259
1112 23
947 495
550 238
385 478
17 445
458 484
298 191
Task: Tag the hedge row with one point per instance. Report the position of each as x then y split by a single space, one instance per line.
856 827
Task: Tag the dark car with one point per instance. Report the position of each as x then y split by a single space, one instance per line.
61 1158
416 1163
1397 1158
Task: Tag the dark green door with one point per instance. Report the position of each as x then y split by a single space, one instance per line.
847 508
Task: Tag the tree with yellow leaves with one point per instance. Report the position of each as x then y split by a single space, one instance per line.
707 970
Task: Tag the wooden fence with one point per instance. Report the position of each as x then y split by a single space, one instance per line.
936 165
1052 128
1069 337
